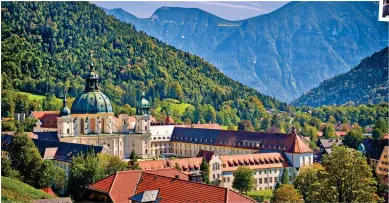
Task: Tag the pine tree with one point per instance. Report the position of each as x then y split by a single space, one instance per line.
204 168
285 176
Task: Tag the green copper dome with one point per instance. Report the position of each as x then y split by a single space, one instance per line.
143 106
65 111
92 100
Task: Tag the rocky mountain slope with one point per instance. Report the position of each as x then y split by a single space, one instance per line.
284 53
366 83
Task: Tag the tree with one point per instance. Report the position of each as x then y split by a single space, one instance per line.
133 156
353 138
7 170
46 174
245 125
285 194
331 120
307 176
25 158
382 124
111 164
59 180
285 176
243 179
231 127
349 176
8 126
377 134
204 168
329 131
83 171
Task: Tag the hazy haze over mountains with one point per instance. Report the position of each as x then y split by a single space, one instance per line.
284 53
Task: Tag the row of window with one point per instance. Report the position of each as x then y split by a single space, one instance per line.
248 144
383 169
154 138
385 162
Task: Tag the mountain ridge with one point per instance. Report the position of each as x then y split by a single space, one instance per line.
273 52
365 83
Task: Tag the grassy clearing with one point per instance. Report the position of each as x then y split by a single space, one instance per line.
174 105
36 96
225 127
261 195
16 191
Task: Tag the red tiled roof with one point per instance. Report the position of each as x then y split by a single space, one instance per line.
207 154
319 134
39 114
48 191
121 185
175 190
254 161
235 197
340 133
300 146
155 164
49 120
169 120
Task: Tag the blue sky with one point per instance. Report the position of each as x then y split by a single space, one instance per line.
230 10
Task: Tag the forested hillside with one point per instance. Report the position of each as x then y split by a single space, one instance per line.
46 48
366 83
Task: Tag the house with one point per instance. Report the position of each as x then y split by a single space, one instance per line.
164 185
376 152
60 152
326 145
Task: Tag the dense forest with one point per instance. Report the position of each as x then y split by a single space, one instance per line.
46 49
366 83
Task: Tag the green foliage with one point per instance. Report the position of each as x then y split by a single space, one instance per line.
46 174
177 166
346 177
44 49
382 125
245 125
377 134
60 180
285 176
15 191
25 158
307 176
133 155
329 131
287 194
8 126
365 83
111 164
7 170
204 168
83 171
261 195
243 179
353 138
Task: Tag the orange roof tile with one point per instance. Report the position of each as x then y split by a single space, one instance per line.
39 114
155 164
235 197
48 191
121 185
175 190
168 120
202 126
262 160
300 146
49 120
341 133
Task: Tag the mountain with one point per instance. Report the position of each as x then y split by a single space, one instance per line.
366 83
284 53
188 29
46 48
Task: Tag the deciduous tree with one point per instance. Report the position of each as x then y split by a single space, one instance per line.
243 179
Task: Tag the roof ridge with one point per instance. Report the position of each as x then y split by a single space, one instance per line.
227 191
113 182
184 180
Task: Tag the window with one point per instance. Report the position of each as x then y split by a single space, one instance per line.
218 176
275 179
224 180
213 176
228 179
259 180
270 180
265 180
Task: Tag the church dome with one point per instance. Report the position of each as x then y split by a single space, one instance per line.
92 100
